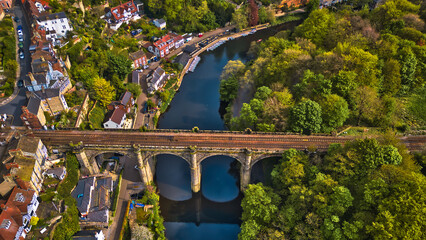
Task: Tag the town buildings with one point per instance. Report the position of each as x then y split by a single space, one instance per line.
160 23
25 159
164 45
138 59
51 100
5 4
156 80
123 13
93 200
16 213
56 25
117 111
33 115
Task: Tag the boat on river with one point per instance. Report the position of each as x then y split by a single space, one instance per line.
194 64
217 44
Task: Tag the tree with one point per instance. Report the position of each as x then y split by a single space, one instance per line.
228 89
264 127
134 88
239 17
391 82
140 232
263 93
316 26
253 13
408 67
247 119
389 12
366 103
344 83
305 117
312 5
261 201
334 112
118 64
232 68
102 91
417 104
34 220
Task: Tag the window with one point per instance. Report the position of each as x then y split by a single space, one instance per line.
64 27
62 20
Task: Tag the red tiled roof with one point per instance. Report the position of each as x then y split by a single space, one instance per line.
118 12
13 215
162 43
117 115
20 198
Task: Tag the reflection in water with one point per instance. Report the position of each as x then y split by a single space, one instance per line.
206 231
261 171
173 177
217 184
197 104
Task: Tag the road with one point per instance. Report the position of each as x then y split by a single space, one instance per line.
130 176
210 140
13 105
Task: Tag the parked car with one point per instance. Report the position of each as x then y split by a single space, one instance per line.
200 34
17 19
136 167
21 54
20 83
20 32
19 27
21 45
20 38
136 32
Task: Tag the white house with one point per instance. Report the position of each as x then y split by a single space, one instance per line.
160 23
56 25
157 80
116 118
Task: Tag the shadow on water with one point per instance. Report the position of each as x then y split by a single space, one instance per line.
215 212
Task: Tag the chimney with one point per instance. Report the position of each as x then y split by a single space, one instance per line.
31 76
42 90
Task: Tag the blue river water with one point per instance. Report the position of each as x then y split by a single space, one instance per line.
215 212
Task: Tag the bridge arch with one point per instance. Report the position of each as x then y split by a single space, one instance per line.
259 158
238 157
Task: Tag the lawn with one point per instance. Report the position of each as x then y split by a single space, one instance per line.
97 115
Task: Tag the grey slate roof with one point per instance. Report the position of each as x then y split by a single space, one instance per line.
126 97
135 77
98 216
83 190
136 55
47 93
40 67
161 21
182 59
57 171
39 77
52 16
33 105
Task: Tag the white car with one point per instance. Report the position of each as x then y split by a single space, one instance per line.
136 167
20 32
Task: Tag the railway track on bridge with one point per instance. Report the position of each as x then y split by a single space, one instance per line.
207 140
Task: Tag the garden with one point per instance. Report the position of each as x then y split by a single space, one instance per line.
8 64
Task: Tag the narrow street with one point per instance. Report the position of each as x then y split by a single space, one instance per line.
13 107
130 176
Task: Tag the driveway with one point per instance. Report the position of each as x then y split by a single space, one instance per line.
130 176
13 107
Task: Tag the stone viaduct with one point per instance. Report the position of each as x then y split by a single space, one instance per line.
192 155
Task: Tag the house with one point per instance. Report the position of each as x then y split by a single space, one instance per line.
138 59
35 8
115 118
162 46
126 102
123 13
56 25
26 157
6 4
160 23
33 115
16 214
156 80
56 172
182 59
93 199
52 100
89 235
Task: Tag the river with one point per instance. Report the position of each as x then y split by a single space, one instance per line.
215 212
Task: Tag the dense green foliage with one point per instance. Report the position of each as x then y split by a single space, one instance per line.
7 56
70 220
361 67
154 221
364 190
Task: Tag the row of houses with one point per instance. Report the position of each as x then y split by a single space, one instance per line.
24 166
48 80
